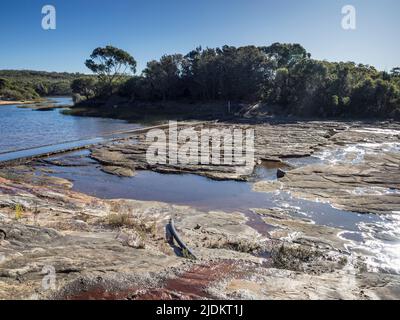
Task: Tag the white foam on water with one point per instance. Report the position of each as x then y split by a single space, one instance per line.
377 131
382 241
373 191
289 206
378 241
354 154
349 154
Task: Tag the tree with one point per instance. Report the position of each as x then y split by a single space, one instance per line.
163 76
135 88
395 72
278 90
111 65
335 101
281 74
201 73
286 54
3 83
385 94
244 72
85 86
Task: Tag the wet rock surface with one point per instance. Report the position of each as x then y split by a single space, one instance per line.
88 244
116 249
82 238
358 161
370 186
272 143
119 171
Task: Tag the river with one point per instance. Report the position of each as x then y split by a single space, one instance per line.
23 128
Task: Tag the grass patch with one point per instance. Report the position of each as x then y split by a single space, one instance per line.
239 245
292 257
119 220
19 211
125 220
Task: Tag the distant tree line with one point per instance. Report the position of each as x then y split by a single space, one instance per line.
281 75
30 85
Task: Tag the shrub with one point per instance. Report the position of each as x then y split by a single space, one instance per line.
19 210
120 220
292 257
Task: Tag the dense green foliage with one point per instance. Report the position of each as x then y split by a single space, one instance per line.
85 86
111 66
12 90
28 85
321 88
283 76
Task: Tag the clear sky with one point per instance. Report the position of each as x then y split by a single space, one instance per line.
150 28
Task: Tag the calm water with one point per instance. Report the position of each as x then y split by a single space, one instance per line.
202 193
377 237
23 128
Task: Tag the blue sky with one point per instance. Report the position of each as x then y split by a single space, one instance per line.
150 28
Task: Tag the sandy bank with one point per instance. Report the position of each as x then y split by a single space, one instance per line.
7 103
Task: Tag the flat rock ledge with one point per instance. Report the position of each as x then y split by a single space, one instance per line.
371 186
272 142
60 244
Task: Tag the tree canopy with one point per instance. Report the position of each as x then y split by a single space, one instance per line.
84 86
111 64
281 75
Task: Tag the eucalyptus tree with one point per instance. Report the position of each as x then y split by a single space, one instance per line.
111 65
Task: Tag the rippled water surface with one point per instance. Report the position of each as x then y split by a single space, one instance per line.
23 128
